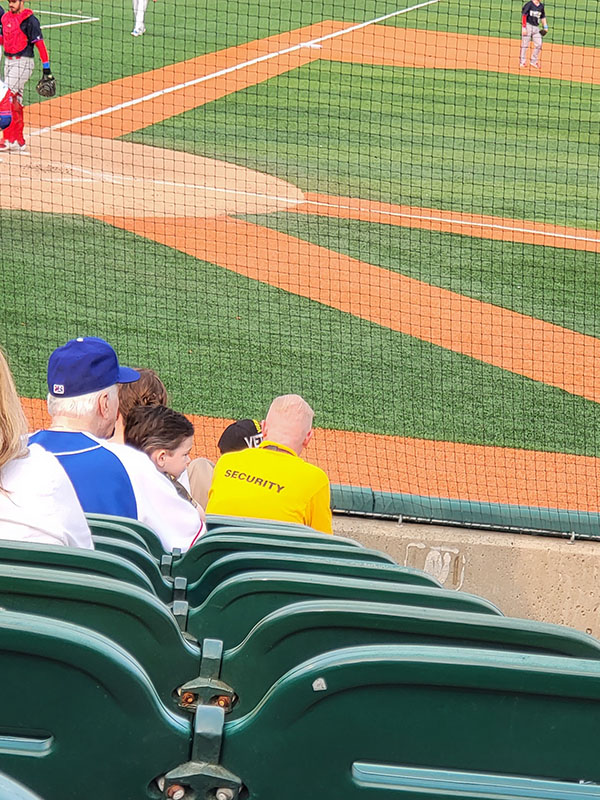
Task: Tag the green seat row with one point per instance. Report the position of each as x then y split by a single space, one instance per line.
137 532
361 723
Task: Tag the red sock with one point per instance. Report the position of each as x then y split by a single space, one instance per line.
18 121
12 132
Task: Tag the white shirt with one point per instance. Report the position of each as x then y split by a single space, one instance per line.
38 503
114 478
174 520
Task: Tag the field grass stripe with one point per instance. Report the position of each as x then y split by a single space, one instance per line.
222 72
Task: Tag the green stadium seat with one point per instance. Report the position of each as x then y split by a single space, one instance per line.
128 529
295 536
132 617
362 723
142 559
214 521
300 532
230 612
86 562
117 531
391 721
306 630
233 564
79 717
207 550
12 790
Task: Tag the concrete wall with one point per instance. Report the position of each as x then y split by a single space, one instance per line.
537 577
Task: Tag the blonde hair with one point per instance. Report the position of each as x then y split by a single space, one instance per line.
13 424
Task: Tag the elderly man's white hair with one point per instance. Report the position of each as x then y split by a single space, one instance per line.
289 421
81 406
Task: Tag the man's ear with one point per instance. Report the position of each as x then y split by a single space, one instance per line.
103 404
307 439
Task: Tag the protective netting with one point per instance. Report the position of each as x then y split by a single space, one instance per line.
375 206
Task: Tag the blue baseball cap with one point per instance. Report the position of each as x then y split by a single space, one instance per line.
85 365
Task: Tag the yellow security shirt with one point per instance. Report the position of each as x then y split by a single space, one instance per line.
271 482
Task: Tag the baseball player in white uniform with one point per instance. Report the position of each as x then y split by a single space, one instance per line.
139 13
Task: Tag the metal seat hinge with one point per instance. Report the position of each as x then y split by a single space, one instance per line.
203 776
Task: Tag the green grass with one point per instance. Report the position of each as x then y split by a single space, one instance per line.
516 146
226 345
85 55
442 139
553 284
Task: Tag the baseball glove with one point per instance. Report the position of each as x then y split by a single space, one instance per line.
543 32
46 86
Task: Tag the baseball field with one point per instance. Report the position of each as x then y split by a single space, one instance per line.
369 204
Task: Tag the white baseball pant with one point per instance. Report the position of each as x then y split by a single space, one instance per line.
532 33
139 12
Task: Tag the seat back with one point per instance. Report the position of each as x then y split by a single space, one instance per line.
12 790
301 535
297 632
97 727
142 559
126 528
209 549
73 559
427 722
131 617
230 612
214 521
233 564
117 531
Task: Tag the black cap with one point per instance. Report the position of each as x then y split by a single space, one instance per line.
240 435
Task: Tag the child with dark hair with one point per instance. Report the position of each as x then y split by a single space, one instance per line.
166 436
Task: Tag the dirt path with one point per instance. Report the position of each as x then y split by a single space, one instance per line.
68 173
412 47
378 44
437 469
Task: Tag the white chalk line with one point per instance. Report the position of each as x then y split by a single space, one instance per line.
74 22
228 70
77 19
59 13
453 221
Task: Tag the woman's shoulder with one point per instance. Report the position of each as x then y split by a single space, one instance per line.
36 464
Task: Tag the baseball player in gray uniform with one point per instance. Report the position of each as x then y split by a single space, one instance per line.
532 15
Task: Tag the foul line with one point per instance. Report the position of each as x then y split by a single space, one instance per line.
59 13
453 221
77 19
227 70
74 22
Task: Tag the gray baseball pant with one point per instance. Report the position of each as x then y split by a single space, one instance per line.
532 33
17 72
